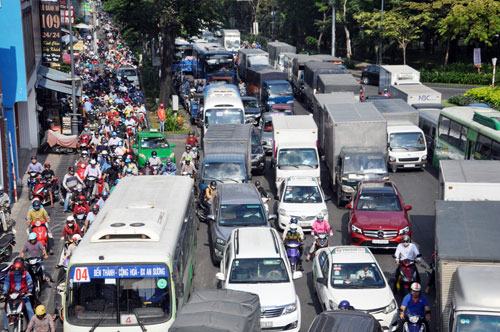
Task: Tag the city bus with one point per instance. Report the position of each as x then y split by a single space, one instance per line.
467 133
183 57
212 60
133 269
222 105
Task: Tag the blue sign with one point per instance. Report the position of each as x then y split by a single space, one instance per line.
87 273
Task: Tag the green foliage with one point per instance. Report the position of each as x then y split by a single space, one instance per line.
488 95
462 100
437 76
173 122
349 64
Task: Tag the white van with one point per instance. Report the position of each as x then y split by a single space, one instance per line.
255 261
130 73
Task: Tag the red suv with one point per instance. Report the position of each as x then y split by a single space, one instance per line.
378 216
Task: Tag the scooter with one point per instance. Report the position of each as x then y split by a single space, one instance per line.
42 235
7 243
321 241
15 308
41 191
89 183
293 253
414 323
80 218
35 270
408 274
32 181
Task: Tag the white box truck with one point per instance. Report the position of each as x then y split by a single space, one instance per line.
469 180
231 39
404 82
407 147
295 150
467 266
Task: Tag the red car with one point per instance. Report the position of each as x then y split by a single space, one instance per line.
378 217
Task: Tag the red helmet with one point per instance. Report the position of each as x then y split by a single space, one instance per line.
18 264
100 179
81 198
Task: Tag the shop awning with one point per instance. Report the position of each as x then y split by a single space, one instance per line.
57 86
53 74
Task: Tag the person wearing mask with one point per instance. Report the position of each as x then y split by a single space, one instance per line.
71 228
84 158
201 87
48 175
417 304
92 170
18 280
147 169
120 149
294 221
209 194
102 200
155 161
319 226
37 212
114 140
91 217
35 249
41 322
188 167
293 235
170 168
162 115
406 250
129 164
386 93
99 188
73 244
188 153
34 166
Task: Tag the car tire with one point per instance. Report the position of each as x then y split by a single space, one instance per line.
365 80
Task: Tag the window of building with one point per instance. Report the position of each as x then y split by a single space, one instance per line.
29 44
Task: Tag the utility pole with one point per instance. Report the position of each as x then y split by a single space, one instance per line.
272 23
380 27
74 118
494 61
332 3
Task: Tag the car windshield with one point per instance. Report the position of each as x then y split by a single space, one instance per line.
302 194
363 163
258 270
356 275
276 90
250 103
224 116
475 323
378 202
154 143
224 171
127 72
232 43
218 62
110 296
258 60
297 158
407 141
241 215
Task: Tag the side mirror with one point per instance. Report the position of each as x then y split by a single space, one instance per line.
321 280
297 275
349 206
328 198
172 145
408 207
273 162
211 217
272 217
179 289
219 276
323 158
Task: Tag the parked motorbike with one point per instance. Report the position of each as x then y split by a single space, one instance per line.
408 274
15 309
293 253
414 323
34 268
7 243
4 270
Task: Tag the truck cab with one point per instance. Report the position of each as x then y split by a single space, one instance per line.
407 147
276 92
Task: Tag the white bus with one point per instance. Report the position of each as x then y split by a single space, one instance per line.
133 269
222 105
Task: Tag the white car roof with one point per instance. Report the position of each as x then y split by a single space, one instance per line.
351 254
256 242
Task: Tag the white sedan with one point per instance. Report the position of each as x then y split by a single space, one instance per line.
351 273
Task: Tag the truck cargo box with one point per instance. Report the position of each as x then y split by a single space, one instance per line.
396 112
337 83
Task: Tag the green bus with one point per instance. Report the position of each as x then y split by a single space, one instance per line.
467 133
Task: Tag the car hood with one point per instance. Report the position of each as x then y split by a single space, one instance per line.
270 294
363 299
302 209
381 219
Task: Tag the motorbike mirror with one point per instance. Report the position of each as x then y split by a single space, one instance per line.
297 275
349 206
321 280
408 207
172 145
211 217
328 198
219 276
276 198
272 217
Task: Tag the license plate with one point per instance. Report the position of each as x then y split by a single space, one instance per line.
380 241
409 165
266 324
305 224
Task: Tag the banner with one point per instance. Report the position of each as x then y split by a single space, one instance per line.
50 21
477 57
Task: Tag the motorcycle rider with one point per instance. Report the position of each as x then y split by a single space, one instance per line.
293 235
155 161
70 183
188 167
34 166
37 212
294 221
170 168
92 169
191 140
84 158
48 175
406 250
5 205
71 228
319 226
99 187
417 304
187 154
18 280
114 140
102 200
345 305
74 241
147 169
130 164
35 249
91 217
41 322
209 194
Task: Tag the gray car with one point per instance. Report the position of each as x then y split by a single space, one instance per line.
235 205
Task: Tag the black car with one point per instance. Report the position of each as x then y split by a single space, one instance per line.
258 154
370 75
345 321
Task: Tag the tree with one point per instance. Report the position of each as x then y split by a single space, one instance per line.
369 23
324 23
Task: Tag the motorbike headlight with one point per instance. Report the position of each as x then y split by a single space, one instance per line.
271 103
290 308
142 156
391 307
220 241
347 189
282 211
290 102
404 230
424 158
356 229
392 158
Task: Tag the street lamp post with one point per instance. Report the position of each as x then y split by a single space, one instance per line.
494 61
332 3
74 118
380 31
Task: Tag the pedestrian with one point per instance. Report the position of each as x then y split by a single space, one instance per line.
161 117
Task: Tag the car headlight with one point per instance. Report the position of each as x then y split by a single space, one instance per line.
324 212
282 211
344 178
142 156
271 103
220 241
424 158
290 102
290 308
356 229
347 189
392 158
404 230
391 307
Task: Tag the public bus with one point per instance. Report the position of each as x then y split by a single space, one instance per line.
212 60
467 133
183 57
222 105
133 269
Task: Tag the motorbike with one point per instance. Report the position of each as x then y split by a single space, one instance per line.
35 270
4 270
89 183
7 243
15 309
84 142
32 180
41 191
408 274
80 218
42 235
321 241
293 253
414 323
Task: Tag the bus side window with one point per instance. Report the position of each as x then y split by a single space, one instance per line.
444 127
495 151
483 148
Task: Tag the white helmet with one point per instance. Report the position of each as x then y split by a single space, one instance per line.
416 287
320 216
293 227
70 219
76 238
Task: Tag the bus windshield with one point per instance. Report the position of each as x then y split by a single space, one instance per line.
224 116
218 62
119 295
407 141
297 158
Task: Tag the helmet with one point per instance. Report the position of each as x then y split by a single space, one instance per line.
320 216
293 228
76 238
33 157
129 170
294 220
100 179
187 159
70 219
406 240
105 194
344 305
114 134
85 152
191 133
154 154
169 161
147 163
127 160
40 310
95 208
257 183
32 236
36 203
18 264
213 184
46 165
93 162
188 147
71 169
416 287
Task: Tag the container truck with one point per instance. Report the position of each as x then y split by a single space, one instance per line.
295 151
338 83
231 40
354 146
270 86
407 146
469 180
227 154
251 58
467 266
311 72
276 52
404 82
